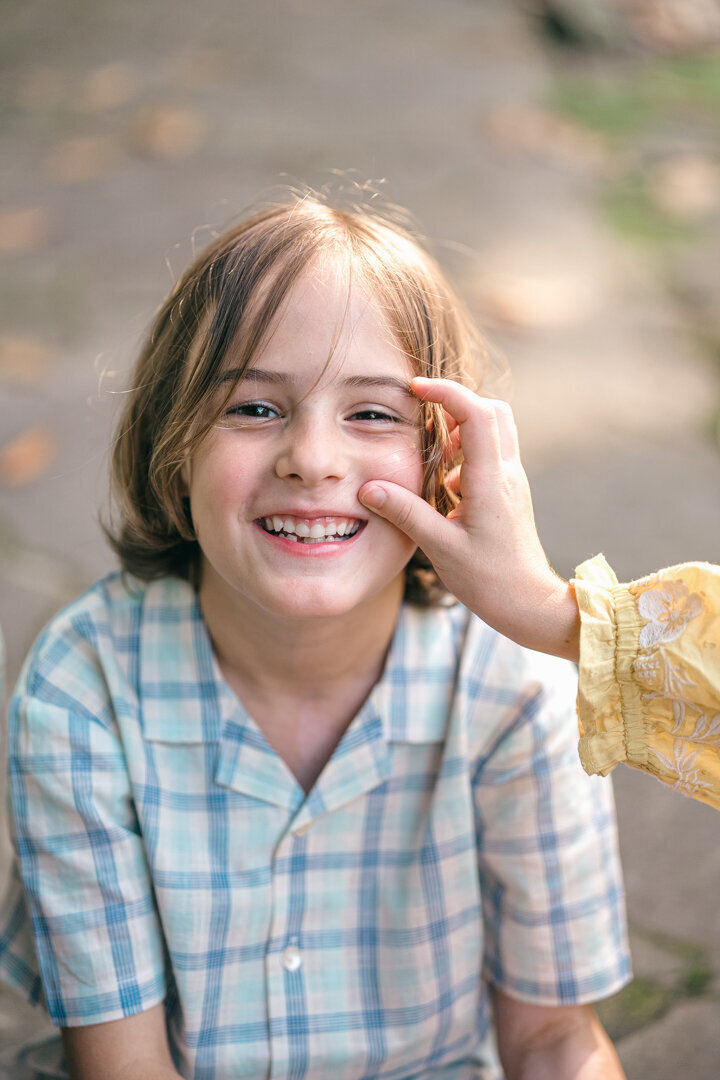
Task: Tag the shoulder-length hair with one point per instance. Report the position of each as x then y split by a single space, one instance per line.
229 297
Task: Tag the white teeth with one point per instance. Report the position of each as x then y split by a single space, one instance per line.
311 530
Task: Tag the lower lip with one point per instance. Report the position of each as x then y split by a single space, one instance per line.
310 551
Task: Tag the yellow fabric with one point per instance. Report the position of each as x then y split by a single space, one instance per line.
649 680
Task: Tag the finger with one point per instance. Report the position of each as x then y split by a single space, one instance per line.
507 430
459 403
478 420
456 399
408 512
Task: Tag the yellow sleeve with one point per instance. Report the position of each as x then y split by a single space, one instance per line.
649 679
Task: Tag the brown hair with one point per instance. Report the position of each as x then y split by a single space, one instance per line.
229 296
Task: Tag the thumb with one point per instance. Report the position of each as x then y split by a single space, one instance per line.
408 512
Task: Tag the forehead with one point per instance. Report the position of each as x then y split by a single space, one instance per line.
329 319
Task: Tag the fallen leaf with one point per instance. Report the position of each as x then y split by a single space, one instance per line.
27 456
23 358
686 187
676 25
533 301
108 87
169 132
22 229
85 158
526 127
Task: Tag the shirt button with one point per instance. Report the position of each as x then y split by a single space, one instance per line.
291 958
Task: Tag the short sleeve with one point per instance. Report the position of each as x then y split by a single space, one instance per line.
553 899
649 691
82 862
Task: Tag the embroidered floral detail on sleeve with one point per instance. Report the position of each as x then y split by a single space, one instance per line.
684 766
707 728
668 609
647 668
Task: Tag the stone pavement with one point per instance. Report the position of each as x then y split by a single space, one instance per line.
132 130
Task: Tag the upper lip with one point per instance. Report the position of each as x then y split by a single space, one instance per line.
312 515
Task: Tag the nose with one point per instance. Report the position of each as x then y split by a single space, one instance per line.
312 451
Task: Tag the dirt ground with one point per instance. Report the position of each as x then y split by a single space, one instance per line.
131 131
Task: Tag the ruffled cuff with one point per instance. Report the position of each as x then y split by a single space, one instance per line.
649 680
610 708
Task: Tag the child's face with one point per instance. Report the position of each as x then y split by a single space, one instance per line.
273 487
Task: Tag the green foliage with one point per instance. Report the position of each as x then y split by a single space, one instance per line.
615 109
641 98
686 81
649 996
634 107
630 210
697 979
637 1004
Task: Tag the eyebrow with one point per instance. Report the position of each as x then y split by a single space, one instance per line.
276 378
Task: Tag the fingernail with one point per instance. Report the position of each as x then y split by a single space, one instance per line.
373 497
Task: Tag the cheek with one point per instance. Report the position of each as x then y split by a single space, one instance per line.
222 472
403 464
212 497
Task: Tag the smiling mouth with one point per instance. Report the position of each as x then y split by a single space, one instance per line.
326 530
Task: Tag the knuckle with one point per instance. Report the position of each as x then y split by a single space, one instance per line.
487 409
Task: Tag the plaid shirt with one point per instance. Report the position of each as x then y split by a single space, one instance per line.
167 853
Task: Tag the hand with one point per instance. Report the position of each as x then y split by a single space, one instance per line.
486 551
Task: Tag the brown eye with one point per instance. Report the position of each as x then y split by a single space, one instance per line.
253 410
376 416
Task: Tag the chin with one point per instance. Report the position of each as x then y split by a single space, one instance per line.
326 600
313 604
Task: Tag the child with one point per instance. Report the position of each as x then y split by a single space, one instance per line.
283 808
649 686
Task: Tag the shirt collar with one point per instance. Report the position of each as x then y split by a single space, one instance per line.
185 699
415 692
179 691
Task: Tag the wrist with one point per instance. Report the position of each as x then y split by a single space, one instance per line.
552 623
565 639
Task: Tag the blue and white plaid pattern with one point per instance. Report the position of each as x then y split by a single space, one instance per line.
168 853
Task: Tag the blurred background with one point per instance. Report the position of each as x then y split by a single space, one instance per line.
562 157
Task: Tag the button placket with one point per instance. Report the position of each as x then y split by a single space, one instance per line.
291 958
277 971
